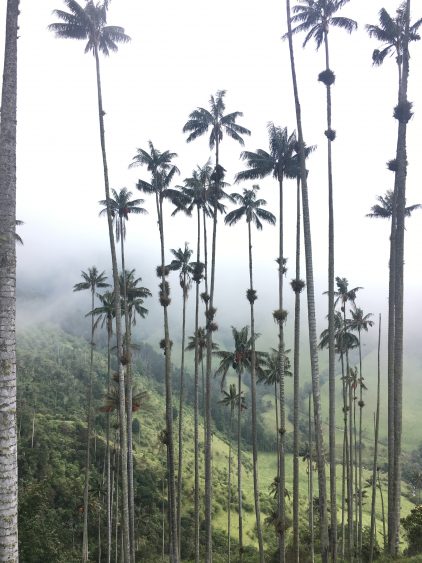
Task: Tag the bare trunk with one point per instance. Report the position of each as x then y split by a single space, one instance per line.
313 341
254 417
311 480
239 467
121 371
196 399
375 465
229 487
8 450
296 389
331 329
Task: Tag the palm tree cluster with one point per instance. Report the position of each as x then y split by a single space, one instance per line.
204 194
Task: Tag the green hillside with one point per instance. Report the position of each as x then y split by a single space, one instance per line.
53 371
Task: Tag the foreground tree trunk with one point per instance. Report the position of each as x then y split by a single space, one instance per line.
403 115
311 311
8 443
119 339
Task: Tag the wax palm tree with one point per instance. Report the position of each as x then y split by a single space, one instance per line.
240 359
315 17
281 163
121 206
231 399
181 263
105 314
93 280
384 208
313 343
391 33
89 23
200 122
8 437
396 34
252 210
360 322
162 171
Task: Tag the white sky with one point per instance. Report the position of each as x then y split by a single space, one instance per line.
180 54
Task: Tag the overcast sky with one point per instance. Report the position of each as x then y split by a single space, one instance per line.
180 54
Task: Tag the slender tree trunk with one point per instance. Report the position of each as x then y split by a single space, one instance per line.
296 389
8 448
33 430
311 310
208 421
169 405
85 554
361 405
331 329
181 405
117 305
129 386
254 416
109 486
375 465
311 481
282 429
196 399
350 495
229 487
239 466
401 159
384 532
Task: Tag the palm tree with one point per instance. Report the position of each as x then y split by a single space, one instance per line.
199 123
315 19
313 345
181 263
159 164
231 399
93 280
360 322
105 315
395 36
280 162
384 208
121 206
391 33
240 359
89 23
251 209
8 438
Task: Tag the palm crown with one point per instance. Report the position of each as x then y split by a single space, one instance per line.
120 207
390 32
250 208
280 162
181 263
135 295
202 120
89 23
384 209
233 399
316 16
93 279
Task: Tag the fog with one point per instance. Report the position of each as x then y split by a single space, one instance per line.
180 55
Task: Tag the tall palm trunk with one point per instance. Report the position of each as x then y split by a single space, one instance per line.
311 310
361 405
296 390
239 466
375 465
128 359
85 554
117 305
169 405
349 461
109 485
229 486
282 430
400 189
254 418
181 405
331 344
311 480
8 452
208 423
196 399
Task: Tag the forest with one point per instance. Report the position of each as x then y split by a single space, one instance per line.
140 423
